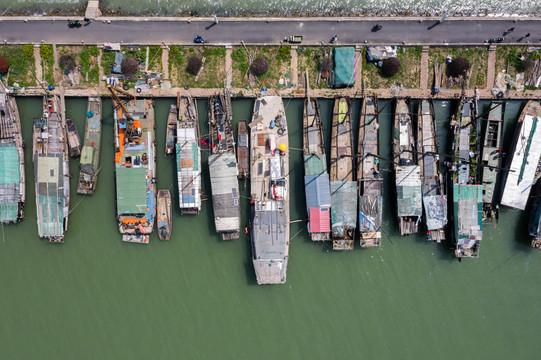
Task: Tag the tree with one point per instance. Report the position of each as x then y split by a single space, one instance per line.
326 64
67 62
528 64
458 66
194 65
259 66
4 65
390 66
129 67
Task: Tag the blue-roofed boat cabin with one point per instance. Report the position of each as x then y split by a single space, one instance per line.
523 158
223 168
12 180
135 168
51 171
269 187
188 158
407 171
370 181
90 155
433 191
316 177
491 160
466 185
342 178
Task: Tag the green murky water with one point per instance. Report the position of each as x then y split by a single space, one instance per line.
195 297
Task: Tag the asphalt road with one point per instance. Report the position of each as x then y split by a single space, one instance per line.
348 30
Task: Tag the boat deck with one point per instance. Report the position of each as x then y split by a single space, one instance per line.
90 155
12 175
188 158
243 150
171 131
269 186
370 185
135 169
343 183
434 199
525 152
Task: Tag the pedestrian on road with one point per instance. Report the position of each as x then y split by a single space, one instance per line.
527 35
334 38
215 19
510 30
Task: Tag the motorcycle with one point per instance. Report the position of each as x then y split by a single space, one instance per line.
74 24
199 40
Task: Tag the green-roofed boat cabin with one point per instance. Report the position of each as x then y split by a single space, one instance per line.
466 186
135 168
90 155
51 171
12 180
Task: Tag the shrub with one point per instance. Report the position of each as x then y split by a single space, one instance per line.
259 66
129 67
326 64
390 66
284 52
458 66
4 65
528 64
194 65
67 62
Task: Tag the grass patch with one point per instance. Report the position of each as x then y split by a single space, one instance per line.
477 56
155 58
308 58
86 57
47 62
279 65
409 75
107 61
211 76
507 58
22 64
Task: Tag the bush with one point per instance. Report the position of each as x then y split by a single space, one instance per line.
129 67
4 65
259 66
326 64
284 52
458 66
67 62
528 64
194 65
390 66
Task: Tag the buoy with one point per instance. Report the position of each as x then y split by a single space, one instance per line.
283 147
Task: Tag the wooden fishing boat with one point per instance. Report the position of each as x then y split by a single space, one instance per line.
316 176
269 186
164 215
492 160
13 183
223 168
433 191
407 171
135 167
74 141
51 171
523 160
188 155
90 155
243 150
370 181
467 189
171 133
343 184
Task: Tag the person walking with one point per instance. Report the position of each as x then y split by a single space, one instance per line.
215 19
510 30
527 35
334 38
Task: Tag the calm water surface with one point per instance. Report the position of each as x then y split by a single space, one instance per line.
195 297
286 7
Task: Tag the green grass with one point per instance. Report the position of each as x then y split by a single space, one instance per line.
107 61
155 58
22 66
408 76
47 61
211 76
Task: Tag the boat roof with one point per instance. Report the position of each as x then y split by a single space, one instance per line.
344 204
50 194
131 190
408 188
317 190
315 164
225 191
468 209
